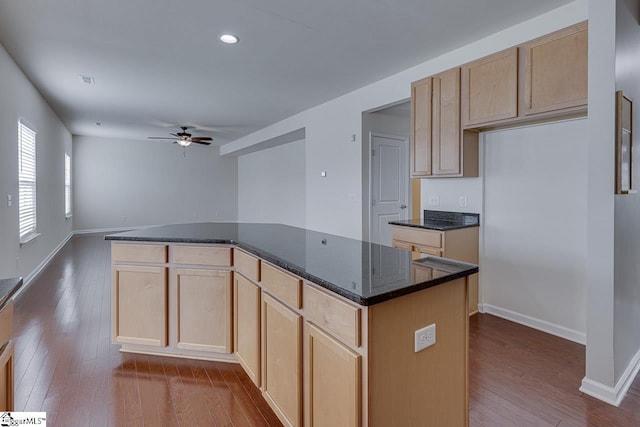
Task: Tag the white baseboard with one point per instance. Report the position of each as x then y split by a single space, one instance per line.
613 395
532 322
29 279
105 230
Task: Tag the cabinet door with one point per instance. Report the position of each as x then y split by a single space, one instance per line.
421 127
446 129
555 71
6 378
490 88
139 305
203 299
332 381
282 360
247 326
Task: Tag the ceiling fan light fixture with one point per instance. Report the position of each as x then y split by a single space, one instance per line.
229 38
183 142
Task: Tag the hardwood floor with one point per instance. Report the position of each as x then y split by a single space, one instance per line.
66 365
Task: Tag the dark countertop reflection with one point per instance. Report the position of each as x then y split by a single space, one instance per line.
363 272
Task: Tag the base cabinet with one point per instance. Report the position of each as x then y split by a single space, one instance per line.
332 381
203 300
139 305
282 360
247 326
6 378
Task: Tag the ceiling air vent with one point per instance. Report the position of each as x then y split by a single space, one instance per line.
90 80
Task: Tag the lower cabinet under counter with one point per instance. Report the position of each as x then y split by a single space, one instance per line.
319 359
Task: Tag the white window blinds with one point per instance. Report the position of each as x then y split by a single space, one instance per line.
67 185
27 179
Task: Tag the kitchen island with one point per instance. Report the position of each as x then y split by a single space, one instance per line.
327 327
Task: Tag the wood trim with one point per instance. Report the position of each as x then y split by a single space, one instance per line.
246 324
416 195
6 322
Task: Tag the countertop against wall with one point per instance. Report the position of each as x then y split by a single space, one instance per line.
8 287
363 272
442 220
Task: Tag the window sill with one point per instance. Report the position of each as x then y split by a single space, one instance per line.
28 239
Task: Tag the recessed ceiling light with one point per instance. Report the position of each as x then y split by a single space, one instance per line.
228 38
90 80
98 124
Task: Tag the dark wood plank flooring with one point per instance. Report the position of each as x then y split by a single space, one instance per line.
66 365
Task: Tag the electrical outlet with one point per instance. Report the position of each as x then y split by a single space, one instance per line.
463 201
425 337
434 200
9 200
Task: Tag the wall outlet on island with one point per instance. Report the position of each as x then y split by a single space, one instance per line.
425 337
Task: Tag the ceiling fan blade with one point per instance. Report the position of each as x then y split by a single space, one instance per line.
200 142
159 137
201 138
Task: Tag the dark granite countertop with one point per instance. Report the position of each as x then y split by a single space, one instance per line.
442 220
8 287
363 272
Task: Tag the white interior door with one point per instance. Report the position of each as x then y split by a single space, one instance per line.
389 184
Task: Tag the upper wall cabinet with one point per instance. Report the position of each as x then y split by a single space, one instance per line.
490 89
438 145
554 71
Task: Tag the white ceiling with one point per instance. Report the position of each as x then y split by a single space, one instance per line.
158 63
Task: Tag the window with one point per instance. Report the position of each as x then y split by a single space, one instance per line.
67 186
27 181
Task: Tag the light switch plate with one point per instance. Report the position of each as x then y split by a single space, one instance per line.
425 337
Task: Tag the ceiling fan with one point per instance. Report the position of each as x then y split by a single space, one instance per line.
184 139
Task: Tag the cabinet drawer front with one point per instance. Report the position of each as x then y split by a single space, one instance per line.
127 252
418 236
247 265
202 255
6 323
283 285
333 315
428 250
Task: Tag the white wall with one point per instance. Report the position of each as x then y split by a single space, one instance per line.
20 99
627 207
127 183
271 185
449 191
334 204
533 256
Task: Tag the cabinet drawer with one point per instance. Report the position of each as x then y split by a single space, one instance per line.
127 252
202 255
333 315
6 323
247 265
418 236
282 285
428 250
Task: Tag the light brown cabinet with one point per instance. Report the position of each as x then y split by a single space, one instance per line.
247 326
204 316
6 358
461 244
439 147
490 89
139 305
554 71
332 381
282 360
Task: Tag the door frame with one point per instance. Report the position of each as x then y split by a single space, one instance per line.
368 211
